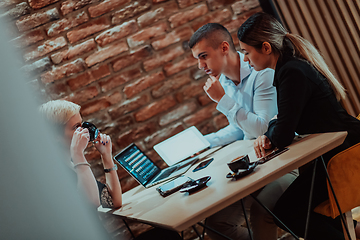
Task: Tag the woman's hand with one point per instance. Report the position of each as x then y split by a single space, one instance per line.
260 145
79 142
103 145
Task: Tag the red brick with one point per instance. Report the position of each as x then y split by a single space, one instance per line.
72 5
129 106
36 4
158 1
94 106
6 3
72 52
187 3
220 121
88 77
235 39
172 68
156 158
17 11
143 83
66 24
36 19
189 91
185 17
56 89
114 97
128 183
131 58
45 48
244 6
28 38
178 113
117 125
91 154
39 66
83 95
119 79
207 128
135 134
99 120
163 134
105 7
163 57
201 116
175 36
215 17
160 13
204 99
88 29
146 34
234 24
105 53
216 4
155 108
130 10
65 70
170 85
116 33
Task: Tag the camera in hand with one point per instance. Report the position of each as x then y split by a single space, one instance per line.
93 131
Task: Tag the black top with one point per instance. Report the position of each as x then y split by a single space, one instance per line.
104 195
307 104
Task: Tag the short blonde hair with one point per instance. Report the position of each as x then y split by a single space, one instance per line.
59 111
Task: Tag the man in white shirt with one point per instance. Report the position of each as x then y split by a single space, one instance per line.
248 99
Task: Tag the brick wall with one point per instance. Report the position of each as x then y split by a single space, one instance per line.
127 63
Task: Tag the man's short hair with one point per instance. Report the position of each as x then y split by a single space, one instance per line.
214 33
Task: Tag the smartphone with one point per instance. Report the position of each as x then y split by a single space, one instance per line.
272 154
172 186
203 164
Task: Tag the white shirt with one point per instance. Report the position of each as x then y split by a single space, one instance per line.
248 106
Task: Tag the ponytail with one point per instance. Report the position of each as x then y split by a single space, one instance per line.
304 49
262 27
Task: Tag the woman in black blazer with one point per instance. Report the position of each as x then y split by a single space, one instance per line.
308 95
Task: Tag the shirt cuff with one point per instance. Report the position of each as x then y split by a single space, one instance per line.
225 104
212 139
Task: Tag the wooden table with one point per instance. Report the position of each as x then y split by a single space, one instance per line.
181 210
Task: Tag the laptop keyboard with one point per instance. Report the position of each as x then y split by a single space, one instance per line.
167 173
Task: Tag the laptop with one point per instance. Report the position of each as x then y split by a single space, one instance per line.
176 151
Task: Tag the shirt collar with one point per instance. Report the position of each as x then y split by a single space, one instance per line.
245 70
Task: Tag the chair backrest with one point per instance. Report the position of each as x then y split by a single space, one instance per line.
344 173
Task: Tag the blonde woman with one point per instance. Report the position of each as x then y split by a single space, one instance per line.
66 115
308 95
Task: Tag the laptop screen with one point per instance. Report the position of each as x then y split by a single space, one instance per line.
137 164
181 145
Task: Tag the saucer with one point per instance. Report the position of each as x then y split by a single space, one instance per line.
242 172
195 185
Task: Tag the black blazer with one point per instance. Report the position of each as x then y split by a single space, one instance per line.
307 104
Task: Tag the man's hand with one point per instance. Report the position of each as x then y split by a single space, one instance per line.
260 145
214 89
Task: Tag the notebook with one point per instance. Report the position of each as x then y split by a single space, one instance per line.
175 151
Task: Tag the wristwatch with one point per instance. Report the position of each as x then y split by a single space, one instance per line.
111 169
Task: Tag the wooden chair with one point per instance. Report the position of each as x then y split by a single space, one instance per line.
344 173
